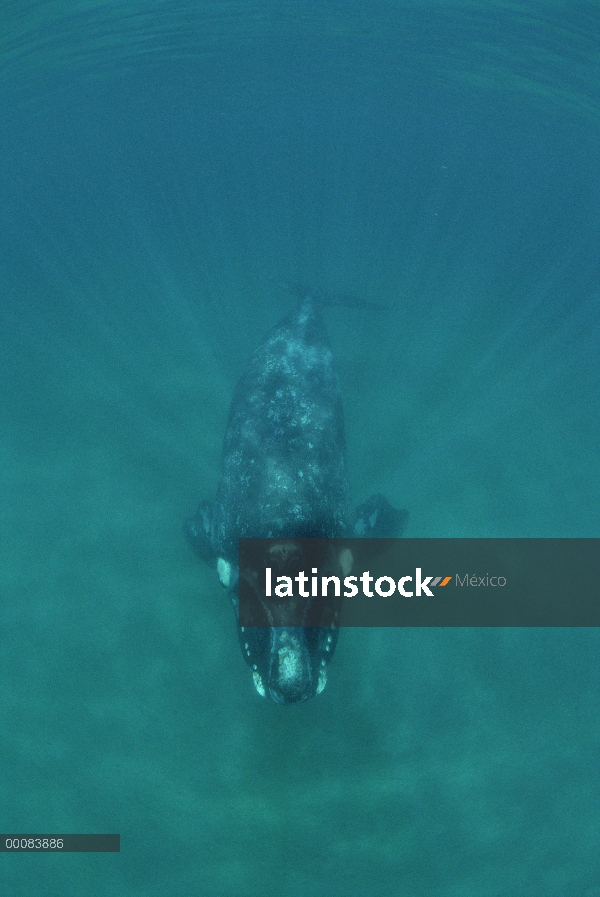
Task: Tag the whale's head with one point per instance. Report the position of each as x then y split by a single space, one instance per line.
289 665
287 642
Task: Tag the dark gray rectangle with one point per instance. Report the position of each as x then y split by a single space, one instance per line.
480 582
60 843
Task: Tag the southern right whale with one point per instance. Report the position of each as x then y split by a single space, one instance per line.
284 476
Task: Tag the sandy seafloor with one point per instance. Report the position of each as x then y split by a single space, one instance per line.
146 213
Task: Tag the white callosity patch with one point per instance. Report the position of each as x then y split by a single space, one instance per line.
291 667
258 684
224 571
322 678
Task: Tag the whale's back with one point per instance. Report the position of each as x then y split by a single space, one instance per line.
284 456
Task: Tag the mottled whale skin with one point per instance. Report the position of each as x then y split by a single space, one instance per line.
284 475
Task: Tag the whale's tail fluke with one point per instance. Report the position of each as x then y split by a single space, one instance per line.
301 291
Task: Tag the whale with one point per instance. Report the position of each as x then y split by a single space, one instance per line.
284 476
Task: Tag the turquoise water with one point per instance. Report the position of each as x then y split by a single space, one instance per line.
163 169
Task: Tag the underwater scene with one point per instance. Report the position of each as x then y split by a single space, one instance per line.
176 180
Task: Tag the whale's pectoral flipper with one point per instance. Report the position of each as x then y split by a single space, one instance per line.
199 530
377 519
